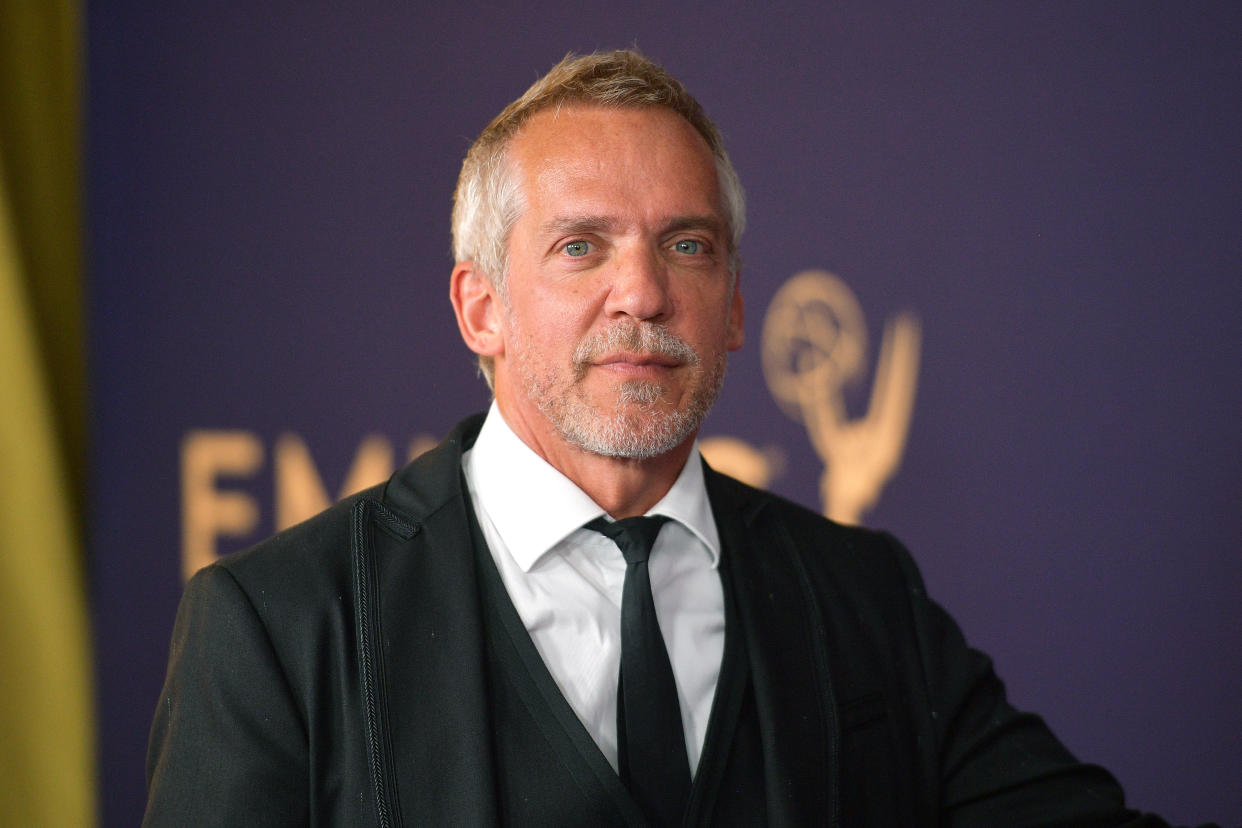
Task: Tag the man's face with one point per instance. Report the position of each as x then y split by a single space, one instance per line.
621 306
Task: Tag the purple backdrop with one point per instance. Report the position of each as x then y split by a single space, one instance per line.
1054 188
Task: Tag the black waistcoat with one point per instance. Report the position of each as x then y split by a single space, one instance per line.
549 770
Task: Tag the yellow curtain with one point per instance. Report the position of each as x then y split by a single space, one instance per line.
47 743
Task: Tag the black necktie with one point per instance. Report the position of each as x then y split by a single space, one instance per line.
651 744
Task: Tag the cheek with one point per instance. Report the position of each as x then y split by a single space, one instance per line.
551 331
561 314
712 320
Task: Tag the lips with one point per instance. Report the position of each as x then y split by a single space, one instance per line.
639 360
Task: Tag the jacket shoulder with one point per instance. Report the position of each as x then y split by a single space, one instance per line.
319 550
855 551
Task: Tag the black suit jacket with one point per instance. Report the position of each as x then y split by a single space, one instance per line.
335 675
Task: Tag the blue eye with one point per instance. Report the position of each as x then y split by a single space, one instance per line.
687 246
577 249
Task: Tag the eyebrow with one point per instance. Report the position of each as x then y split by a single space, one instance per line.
571 225
711 224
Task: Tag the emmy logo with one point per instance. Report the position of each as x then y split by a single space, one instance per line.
814 343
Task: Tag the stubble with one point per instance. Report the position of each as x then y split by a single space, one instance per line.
642 424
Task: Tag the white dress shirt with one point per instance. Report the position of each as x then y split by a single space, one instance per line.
566 581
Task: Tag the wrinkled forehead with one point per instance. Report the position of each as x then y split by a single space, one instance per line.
637 153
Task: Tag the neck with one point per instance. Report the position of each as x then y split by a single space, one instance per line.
623 487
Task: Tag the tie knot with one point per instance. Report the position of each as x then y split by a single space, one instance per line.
634 536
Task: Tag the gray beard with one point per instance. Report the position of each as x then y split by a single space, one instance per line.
629 434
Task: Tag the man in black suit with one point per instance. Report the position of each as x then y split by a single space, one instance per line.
560 616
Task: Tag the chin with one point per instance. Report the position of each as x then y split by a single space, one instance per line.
632 435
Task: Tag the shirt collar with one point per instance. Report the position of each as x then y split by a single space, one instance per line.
534 507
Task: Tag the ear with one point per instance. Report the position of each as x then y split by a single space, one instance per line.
477 308
737 314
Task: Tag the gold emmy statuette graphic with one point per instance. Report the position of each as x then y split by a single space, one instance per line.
814 342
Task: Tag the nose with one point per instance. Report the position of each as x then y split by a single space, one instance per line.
640 286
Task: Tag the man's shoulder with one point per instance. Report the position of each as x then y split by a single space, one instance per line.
764 509
863 555
318 552
310 556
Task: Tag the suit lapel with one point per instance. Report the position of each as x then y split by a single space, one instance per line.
787 646
431 743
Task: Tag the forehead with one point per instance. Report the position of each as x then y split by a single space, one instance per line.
630 157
